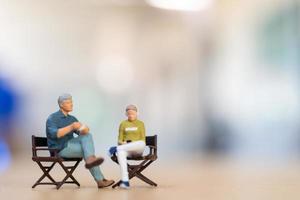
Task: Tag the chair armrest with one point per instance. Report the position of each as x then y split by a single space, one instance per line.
46 148
152 150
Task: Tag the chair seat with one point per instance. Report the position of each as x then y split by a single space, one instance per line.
72 159
146 157
137 158
53 159
45 159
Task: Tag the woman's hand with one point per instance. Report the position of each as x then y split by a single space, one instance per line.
120 143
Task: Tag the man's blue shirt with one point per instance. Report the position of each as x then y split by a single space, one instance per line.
54 122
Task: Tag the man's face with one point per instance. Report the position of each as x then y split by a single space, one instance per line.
67 105
132 115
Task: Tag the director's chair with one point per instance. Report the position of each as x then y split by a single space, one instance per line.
40 144
144 162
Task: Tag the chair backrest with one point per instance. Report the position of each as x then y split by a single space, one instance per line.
151 140
39 141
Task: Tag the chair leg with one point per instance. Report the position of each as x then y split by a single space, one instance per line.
133 169
144 166
137 171
75 181
46 171
116 184
68 174
145 179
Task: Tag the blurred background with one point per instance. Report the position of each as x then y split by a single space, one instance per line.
212 78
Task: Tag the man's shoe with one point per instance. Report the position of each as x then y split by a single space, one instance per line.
93 161
124 185
105 183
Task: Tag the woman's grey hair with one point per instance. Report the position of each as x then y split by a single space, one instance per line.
131 107
63 98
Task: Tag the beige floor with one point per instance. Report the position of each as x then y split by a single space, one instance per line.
180 180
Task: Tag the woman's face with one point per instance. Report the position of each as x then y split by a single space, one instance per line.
131 114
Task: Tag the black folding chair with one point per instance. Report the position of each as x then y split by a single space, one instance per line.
40 144
144 162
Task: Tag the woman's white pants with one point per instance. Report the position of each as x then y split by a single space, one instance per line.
126 150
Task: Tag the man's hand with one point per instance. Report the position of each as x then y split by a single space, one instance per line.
76 126
84 130
65 130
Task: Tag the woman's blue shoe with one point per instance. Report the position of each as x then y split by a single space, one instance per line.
112 151
124 185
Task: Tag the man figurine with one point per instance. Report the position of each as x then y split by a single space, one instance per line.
61 126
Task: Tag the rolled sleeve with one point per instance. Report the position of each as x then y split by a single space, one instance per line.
51 129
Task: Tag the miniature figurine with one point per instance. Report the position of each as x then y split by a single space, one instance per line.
60 129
